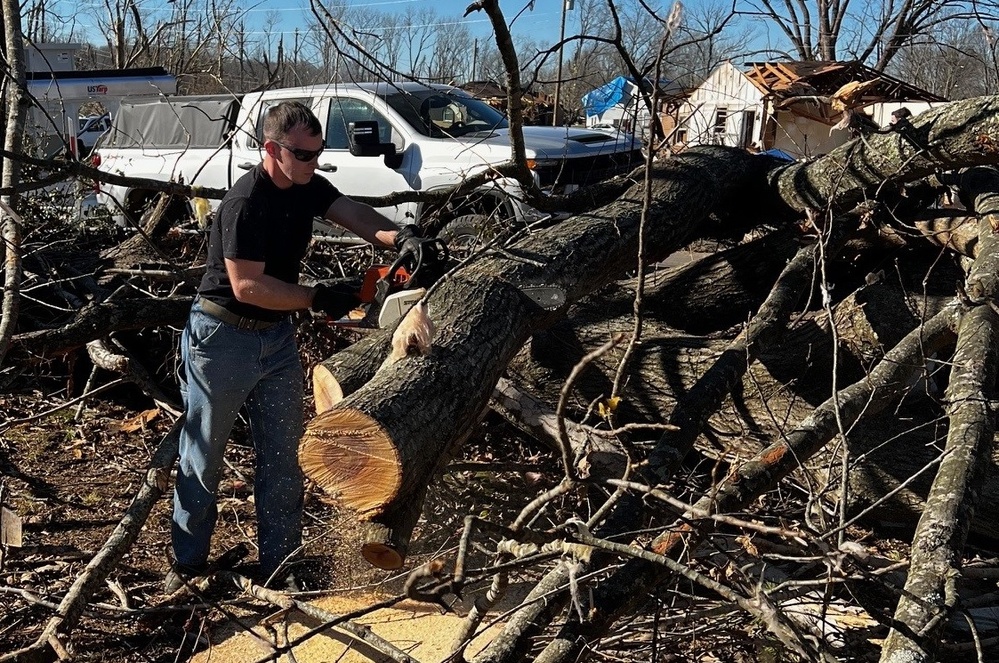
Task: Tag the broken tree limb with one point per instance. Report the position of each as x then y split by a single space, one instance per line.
762 332
622 592
601 450
96 320
484 317
951 229
938 543
714 292
119 361
154 484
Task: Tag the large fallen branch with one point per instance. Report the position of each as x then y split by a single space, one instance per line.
628 587
930 592
96 320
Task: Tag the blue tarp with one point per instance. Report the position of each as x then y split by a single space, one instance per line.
596 102
778 154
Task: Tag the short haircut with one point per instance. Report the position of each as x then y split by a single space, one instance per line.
285 116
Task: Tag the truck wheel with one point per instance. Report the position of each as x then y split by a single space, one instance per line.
466 234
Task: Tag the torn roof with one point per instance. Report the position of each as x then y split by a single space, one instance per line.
799 78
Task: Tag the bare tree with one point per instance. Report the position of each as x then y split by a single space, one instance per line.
451 51
16 104
875 32
956 62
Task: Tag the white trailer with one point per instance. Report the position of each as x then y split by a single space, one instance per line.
59 96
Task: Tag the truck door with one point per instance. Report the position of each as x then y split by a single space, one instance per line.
365 176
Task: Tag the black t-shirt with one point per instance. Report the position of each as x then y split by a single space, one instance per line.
258 221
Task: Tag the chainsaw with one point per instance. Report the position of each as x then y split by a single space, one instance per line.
389 291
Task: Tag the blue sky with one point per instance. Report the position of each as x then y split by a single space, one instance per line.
544 19
542 22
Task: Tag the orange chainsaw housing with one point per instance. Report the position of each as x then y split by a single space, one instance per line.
378 272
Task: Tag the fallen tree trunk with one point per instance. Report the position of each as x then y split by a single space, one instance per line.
421 405
484 318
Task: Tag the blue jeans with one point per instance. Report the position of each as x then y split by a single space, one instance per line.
224 368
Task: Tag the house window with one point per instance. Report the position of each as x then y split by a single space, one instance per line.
748 125
721 115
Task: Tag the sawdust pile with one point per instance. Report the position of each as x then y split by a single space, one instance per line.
419 629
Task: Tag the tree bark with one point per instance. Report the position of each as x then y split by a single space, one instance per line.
930 592
10 224
96 320
629 586
424 404
762 332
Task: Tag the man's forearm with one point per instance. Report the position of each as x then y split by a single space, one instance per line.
273 294
363 220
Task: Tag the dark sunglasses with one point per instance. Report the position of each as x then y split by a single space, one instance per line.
303 155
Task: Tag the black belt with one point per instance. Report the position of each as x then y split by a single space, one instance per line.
234 319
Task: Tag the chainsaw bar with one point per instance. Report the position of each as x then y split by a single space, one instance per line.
548 297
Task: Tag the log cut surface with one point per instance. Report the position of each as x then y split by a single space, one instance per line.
349 455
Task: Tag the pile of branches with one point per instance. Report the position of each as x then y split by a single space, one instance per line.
729 432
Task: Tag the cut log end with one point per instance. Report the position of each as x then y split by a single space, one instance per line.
325 389
381 548
351 457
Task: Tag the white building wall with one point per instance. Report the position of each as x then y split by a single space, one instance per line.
729 90
51 57
806 138
802 137
882 111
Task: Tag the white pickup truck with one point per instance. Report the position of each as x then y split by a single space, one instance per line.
381 138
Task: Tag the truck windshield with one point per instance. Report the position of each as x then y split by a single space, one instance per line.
438 114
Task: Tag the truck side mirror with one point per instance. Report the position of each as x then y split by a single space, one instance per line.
364 136
364 139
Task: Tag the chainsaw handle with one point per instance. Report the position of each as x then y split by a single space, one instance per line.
426 244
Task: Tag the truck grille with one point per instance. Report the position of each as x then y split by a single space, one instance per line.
587 170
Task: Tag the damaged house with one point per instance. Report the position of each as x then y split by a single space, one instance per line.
795 107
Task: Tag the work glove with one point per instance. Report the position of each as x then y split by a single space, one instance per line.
335 299
433 263
408 242
426 259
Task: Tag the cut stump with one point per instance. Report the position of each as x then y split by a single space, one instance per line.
351 457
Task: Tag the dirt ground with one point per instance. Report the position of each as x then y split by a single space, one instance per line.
70 480
68 476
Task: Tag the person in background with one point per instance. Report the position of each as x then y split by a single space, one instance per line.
238 347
